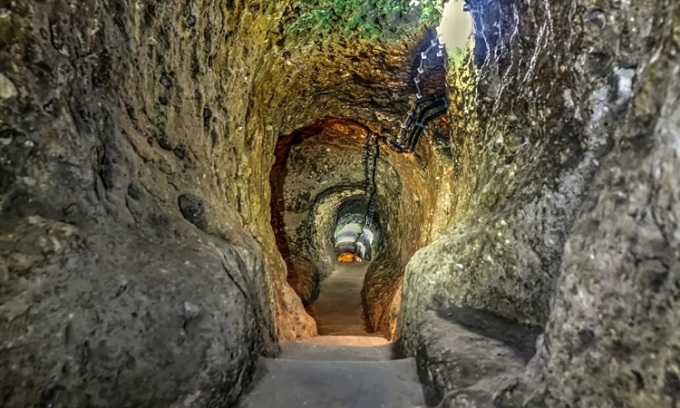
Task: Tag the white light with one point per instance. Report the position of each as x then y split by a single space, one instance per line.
456 26
353 229
369 235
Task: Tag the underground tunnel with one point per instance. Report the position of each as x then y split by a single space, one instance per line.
356 236
335 189
332 203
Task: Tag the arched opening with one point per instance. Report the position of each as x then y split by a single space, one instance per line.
346 239
356 237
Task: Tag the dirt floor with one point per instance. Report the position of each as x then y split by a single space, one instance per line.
338 310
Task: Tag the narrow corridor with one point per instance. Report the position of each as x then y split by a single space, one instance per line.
338 310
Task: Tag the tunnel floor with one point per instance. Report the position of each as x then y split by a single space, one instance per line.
338 310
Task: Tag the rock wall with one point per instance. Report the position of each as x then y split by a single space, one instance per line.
123 252
123 255
529 126
563 129
612 337
136 143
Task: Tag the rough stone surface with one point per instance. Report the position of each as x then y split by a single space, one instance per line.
192 210
330 352
104 284
463 354
92 314
564 211
309 382
524 151
612 339
7 88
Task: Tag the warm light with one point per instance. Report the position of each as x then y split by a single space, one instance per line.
348 257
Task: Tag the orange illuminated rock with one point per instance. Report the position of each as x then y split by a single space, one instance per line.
347 257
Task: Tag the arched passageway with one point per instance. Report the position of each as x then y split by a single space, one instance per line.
172 175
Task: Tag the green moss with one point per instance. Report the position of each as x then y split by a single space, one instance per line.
458 56
368 19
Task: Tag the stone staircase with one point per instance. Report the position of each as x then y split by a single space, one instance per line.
327 375
466 356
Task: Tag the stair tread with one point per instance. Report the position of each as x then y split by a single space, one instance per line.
338 348
335 353
283 383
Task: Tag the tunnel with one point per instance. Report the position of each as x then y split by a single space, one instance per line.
356 236
334 186
249 203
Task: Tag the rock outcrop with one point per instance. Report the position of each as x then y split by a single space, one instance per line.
123 254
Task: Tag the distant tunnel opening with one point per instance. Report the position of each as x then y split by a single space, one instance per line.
355 238
319 216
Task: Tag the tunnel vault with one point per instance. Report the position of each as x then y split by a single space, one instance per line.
355 239
321 167
319 181
145 222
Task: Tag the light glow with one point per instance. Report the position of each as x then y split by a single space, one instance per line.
455 29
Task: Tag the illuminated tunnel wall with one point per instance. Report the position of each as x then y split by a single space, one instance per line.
354 239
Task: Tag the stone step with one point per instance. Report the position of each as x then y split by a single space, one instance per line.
285 383
338 348
348 340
